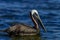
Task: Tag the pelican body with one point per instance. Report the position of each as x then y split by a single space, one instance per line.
23 29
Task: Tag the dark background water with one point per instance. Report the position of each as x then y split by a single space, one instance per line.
12 11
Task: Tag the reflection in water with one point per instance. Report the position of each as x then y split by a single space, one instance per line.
35 37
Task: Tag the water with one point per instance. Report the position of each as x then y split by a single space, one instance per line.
16 11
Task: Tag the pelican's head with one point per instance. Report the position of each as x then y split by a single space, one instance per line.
35 15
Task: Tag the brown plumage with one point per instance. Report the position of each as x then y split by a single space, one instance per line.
23 29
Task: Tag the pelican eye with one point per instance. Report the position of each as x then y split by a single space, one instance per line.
35 14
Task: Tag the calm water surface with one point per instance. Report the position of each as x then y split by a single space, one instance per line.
16 11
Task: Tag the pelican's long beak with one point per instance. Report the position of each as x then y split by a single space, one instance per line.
40 22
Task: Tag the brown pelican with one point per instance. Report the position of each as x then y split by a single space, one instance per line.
23 29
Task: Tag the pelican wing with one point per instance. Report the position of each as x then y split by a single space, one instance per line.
23 28
26 28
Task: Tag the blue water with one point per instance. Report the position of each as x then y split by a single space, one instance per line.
16 11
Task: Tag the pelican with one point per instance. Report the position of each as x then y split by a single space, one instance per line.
23 29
